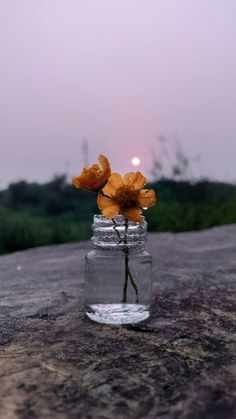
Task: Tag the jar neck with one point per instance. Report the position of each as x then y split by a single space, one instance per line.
118 233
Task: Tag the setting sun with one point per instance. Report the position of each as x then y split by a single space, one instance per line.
135 161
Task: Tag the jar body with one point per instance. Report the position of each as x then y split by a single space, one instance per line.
118 284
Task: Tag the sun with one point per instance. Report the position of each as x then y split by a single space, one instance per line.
135 161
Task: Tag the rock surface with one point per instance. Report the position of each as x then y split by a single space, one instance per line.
180 364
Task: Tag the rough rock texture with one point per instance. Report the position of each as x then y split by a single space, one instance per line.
55 363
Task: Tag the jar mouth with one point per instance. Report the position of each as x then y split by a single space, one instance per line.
115 232
119 220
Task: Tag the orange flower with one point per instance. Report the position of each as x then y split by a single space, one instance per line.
126 196
95 177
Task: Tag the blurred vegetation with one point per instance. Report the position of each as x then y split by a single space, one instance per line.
33 214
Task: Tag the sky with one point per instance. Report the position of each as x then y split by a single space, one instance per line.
120 73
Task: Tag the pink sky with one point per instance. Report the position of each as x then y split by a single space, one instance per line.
119 72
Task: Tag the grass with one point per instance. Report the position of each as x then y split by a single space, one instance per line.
19 231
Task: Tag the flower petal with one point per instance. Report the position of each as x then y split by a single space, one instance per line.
114 182
76 182
136 179
105 165
132 214
107 206
146 198
94 178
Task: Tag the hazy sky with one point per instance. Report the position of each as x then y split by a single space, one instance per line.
119 72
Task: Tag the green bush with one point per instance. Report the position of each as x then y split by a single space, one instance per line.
20 231
34 215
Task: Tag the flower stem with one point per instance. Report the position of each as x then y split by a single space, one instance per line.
124 299
126 251
134 285
128 275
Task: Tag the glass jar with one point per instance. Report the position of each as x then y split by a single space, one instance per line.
118 282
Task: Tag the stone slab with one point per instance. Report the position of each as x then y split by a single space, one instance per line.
180 364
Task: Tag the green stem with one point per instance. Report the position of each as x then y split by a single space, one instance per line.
115 228
128 274
134 285
124 299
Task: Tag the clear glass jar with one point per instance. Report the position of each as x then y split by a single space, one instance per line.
118 283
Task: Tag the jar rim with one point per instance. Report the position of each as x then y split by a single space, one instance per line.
119 220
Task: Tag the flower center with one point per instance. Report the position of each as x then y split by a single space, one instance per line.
126 196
